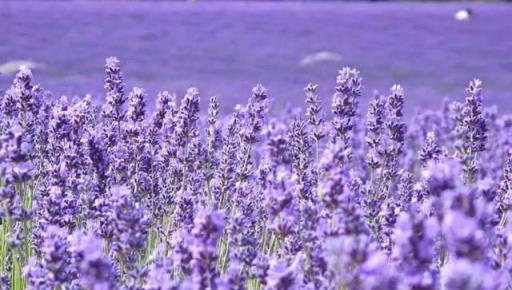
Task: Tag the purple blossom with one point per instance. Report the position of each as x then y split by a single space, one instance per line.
114 86
21 102
159 273
395 129
503 200
111 199
344 107
208 228
471 130
187 117
254 112
415 248
137 105
430 150
283 276
94 270
54 265
302 159
374 124
314 113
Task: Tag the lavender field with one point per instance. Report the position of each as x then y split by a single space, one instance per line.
175 189
224 48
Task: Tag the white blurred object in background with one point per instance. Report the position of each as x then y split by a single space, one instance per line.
321 56
13 66
463 15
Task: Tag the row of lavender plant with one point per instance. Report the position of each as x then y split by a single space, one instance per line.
112 198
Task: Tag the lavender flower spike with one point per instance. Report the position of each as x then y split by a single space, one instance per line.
471 130
344 104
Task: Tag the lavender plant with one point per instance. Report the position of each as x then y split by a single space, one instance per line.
125 198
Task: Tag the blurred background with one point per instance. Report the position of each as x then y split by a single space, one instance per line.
224 48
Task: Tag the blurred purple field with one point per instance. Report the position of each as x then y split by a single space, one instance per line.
225 48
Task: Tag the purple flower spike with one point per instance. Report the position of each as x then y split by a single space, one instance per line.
94 270
344 107
284 277
471 130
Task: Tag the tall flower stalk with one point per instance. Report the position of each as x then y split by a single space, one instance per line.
471 130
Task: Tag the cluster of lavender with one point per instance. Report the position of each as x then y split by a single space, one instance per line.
110 197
